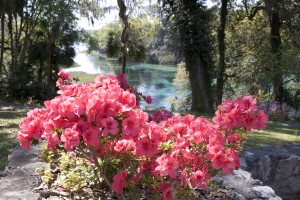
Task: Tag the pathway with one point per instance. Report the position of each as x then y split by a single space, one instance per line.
19 177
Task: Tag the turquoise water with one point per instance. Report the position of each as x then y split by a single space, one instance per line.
153 80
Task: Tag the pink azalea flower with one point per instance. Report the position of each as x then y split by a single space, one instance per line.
234 138
262 120
124 145
148 99
110 126
167 166
52 139
197 178
197 137
82 126
213 149
144 147
24 140
128 101
99 80
231 161
70 138
108 108
59 82
119 182
251 122
130 126
248 103
63 74
218 160
32 128
91 137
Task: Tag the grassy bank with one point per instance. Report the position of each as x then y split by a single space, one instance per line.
9 126
277 134
83 77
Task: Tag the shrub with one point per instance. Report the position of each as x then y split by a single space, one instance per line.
22 90
278 111
102 124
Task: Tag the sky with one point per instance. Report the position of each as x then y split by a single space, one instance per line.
109 17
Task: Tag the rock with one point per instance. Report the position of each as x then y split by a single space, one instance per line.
278 168
262 167
242 186
264 192
20 175
287 168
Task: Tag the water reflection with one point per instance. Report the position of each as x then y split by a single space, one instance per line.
153 80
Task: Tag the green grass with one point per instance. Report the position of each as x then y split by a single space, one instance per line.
83 77
277 134
9 126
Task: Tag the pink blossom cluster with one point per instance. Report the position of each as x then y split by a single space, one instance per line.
63 79
84 112
240 113
171 154
160 115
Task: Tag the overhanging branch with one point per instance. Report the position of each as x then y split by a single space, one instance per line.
254 11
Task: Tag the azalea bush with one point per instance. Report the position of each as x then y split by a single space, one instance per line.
102 124
278 111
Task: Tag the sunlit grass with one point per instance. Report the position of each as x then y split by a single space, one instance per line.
276 134
83 77
9 126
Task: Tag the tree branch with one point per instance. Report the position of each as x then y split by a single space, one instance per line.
254 11
250 15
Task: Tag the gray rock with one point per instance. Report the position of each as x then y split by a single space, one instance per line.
278 168
242 186
287 168
260 167
264 192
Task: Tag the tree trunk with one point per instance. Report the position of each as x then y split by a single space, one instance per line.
12 49
40 72
201 93
124 59
124 36
50 62
222 49
272 9
2 43
276 43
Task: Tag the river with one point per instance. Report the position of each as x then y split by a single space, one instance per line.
153 80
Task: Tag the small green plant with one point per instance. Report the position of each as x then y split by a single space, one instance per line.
72 174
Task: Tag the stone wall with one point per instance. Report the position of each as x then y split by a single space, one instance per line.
278 168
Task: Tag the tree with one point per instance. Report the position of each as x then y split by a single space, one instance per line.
38 36
221 50
191 18
112 46
124 36
277 12
247 54
2 18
